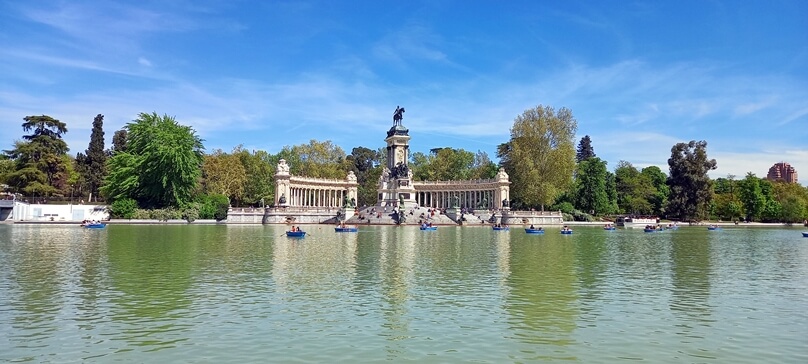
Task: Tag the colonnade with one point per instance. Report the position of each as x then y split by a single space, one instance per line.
316 196
476 199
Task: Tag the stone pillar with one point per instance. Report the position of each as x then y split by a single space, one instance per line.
283 193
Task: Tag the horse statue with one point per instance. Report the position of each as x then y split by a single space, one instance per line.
398 115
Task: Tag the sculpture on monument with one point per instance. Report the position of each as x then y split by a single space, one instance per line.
398 115
282 199
400 171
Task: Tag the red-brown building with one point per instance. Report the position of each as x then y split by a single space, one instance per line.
782 172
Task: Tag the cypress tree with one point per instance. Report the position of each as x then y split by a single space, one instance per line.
585 150
96 157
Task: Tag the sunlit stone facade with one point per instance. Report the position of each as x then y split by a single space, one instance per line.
296 191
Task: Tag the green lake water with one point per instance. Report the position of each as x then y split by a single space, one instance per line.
241 294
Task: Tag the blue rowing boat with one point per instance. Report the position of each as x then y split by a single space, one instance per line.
429 228
95 226
345 229
296 234
534 231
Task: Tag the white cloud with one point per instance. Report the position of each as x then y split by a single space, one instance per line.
144 62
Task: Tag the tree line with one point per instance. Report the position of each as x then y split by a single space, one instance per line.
158 168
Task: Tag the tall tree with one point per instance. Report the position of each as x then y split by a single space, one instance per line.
540 155
118 141
726 204
260 168
658 179
751 195
634 190
316 159
690 187
94 164
224 174
591 193
366 165
39 166
585 150
161 165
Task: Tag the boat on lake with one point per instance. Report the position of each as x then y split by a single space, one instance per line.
713 228
500 227
609 227
805 234
534 231
346 229
566 230
429 228
296 234
96 225
636 221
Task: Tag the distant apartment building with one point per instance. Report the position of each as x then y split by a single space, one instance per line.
782 172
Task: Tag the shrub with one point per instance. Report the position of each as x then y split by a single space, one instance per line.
123 208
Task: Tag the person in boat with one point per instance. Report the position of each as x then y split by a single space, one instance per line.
531 227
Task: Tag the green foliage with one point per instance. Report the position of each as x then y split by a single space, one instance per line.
93 166
259 167
123 208
793 210
119 141
224 174
316 159
39 166
751 195
565 207
691 189
367 166
161 165
634 190
191 212
540 156
590 187
449 164
585 150
123 180
220 205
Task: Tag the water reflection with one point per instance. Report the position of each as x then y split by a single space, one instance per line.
248 293
543 294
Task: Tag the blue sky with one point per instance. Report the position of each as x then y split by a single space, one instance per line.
638 76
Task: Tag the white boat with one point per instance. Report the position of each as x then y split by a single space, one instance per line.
636 221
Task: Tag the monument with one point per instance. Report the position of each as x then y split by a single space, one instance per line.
395 183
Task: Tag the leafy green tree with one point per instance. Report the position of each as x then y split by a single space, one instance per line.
483 167
123 208
540 155
161 165
659 197
634 190
591 193
224 174
751 195
726 203
316 159
92 164
367 166
585 150
789 197
118 141
39 167
690 188
449 164
793 210
260 168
